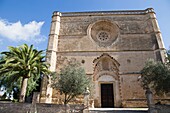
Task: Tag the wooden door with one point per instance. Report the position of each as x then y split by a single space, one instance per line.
107 97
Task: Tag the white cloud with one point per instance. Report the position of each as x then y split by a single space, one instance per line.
30 32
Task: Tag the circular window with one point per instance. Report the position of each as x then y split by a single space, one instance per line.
104 33
103 36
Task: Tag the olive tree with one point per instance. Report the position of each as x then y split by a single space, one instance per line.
71 80
156 75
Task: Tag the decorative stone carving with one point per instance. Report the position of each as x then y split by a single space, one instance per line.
105 65
103 36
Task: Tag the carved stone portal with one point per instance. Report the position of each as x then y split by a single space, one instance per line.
106 72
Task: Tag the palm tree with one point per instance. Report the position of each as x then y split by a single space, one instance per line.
21 64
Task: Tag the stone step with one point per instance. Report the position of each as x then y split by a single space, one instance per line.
118 110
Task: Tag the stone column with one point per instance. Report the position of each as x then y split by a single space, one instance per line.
36 97
149 97
51 55
150 101
86 101
117 94
157 32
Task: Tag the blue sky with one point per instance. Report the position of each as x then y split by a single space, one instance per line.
28 21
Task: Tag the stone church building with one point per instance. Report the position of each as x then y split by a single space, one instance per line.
112 47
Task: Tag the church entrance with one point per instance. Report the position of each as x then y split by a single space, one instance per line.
107 97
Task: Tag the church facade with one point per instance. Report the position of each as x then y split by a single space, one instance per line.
112 47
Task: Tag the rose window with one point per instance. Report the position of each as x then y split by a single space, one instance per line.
103 36
104 33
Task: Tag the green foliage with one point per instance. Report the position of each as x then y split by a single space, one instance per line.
168 54
156 75
71 80
19 63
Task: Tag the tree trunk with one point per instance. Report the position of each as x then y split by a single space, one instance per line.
65 99
23 90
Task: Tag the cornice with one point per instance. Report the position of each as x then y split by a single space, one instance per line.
115 12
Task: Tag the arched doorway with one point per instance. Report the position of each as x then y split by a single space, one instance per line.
106 79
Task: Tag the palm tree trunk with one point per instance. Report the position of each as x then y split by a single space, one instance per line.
23 89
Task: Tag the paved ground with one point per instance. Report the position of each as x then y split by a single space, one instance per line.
125 111
118 110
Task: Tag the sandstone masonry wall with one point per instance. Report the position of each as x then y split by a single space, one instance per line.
127 37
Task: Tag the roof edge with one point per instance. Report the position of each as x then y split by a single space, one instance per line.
119 12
